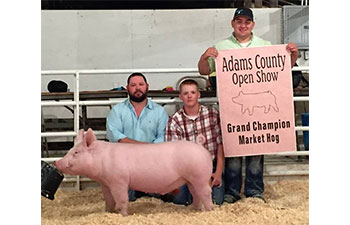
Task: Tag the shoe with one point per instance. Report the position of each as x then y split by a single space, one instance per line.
231 199
259 196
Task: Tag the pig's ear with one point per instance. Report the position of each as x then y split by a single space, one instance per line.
79 137
89 137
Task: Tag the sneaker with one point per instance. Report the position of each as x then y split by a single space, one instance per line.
259 196
231 199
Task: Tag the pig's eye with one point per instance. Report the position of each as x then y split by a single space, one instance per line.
75 153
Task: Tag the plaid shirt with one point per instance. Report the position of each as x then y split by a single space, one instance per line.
207 123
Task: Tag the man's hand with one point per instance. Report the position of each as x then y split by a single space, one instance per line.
132 141
293 50
203 65
210 52
216 180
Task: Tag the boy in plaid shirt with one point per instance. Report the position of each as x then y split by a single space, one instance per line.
201 124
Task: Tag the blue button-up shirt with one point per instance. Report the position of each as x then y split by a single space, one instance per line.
150 126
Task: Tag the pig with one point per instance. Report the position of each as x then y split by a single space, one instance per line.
248 101
151 168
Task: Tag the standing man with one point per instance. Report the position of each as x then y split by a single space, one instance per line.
137 119
242 37
201 124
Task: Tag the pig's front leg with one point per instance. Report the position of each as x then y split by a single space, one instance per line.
109 200
120 195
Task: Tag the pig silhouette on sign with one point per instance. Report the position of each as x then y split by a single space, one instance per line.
248 101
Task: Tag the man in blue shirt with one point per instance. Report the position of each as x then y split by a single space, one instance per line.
137 119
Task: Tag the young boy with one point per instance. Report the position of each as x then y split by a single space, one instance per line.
201 124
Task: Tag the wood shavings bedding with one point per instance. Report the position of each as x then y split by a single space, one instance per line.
287 202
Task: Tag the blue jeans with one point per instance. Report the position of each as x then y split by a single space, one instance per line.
184 196
254 176
133 195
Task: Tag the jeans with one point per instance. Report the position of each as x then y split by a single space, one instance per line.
133 195
184 196
254 184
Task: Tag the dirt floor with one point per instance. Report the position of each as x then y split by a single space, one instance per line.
287 202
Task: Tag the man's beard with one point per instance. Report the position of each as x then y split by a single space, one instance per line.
138 99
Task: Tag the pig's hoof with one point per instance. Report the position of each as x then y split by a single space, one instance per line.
209 208
196 207
124 213
110 211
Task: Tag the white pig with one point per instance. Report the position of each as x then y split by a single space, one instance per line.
152 168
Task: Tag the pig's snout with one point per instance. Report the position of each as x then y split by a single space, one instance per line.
62 165
58 165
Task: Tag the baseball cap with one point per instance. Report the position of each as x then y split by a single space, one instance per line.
244 12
